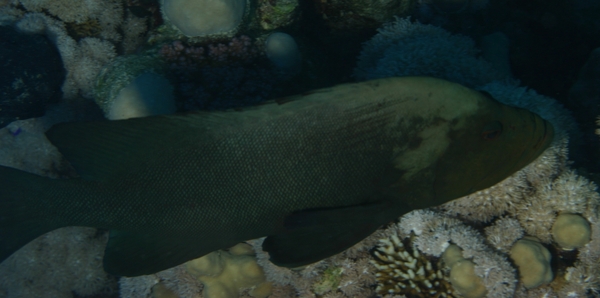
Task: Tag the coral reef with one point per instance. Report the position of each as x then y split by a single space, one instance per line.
27 86
82 60
221 75
348 274
462 274
183 57
454 6
105 14
87 34
223 273
526 203
404 48
359 14
278 13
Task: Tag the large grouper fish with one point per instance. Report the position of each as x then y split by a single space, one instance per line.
314 173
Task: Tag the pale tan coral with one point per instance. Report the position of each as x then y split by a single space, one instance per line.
159 290
225 273
584 277
462 274
571 231
533 261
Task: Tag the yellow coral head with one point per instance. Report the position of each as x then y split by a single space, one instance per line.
496 142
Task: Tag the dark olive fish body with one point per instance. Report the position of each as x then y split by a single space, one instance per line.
315 174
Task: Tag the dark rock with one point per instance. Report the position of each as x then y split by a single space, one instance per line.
31 76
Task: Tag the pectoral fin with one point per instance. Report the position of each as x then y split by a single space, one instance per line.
317 234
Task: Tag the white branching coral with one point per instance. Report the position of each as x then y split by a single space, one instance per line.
491 202
572 194
67 24
82 60
503 233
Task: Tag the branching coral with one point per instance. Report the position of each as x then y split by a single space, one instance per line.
404 48
503 233
82 60
401 271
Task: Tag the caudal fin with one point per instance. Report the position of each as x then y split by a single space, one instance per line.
24 212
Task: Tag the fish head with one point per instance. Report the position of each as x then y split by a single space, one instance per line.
492 144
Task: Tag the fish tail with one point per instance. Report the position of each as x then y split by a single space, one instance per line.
24 212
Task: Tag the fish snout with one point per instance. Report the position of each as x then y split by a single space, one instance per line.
535 141
544 132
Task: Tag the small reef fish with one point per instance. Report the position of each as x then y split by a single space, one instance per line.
315 173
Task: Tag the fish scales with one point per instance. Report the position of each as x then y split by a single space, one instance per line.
316 174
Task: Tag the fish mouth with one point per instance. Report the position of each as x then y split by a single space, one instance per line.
547 137
542 136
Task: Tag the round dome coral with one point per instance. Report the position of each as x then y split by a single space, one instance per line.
204 17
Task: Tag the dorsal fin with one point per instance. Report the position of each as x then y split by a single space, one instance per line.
102 150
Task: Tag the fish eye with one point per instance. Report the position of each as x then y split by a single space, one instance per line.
491 131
